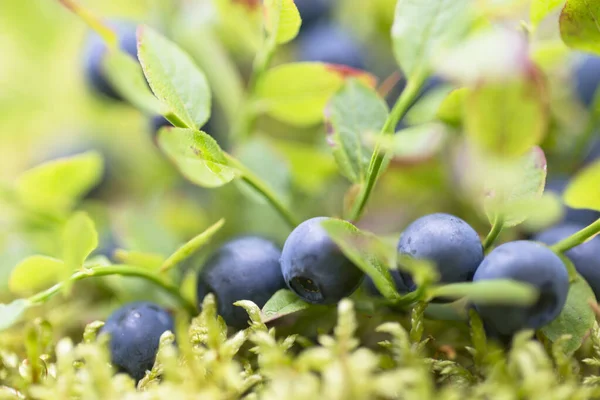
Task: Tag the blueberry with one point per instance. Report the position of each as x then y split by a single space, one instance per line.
329 43
245 268
313 11
315 268
571 215
445 240
135 331
95 49
587 78
584 257
531 263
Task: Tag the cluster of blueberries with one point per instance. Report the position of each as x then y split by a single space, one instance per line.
312 266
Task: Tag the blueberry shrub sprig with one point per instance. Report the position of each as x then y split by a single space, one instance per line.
372 241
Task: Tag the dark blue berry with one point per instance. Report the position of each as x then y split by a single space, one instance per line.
587 78
531 263
330 44
313 11
95 49
135 331
585 257
246 268
315 268
446 240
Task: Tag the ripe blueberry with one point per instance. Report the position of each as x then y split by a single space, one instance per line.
531 263
445 240
246 268
315 268
95 49
587 78
313 11
135 331
330 44
584 257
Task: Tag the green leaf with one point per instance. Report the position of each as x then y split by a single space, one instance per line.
354 113
426 108
174 79
576 318
282 19
582 190
259 156
11 313
35 273
423 28
151 261
506 118
283 302
197 156
310 167
580 25
473 61
189 248
297 93
541 8
79 240
494 291
515 188
59 184
367 252
415 143
126 76
452 108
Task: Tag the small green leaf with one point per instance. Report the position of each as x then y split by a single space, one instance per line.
264 160
514 188
426 108
35 273
580 26
79 240
59 184
283 302
576 318
582 191
11 313
541 8
354 113
189 248
126 76
506 118
151 261
472 61
415 143
175 79
282 19
495 291
367 252
310 167
297 93
451 109
423 28
197 155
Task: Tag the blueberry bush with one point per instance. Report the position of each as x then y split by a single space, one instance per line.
292 199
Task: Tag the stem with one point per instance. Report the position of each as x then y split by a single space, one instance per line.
123 270
409 94
577 238
268 194
497 226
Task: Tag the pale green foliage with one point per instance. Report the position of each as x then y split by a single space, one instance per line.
258 364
